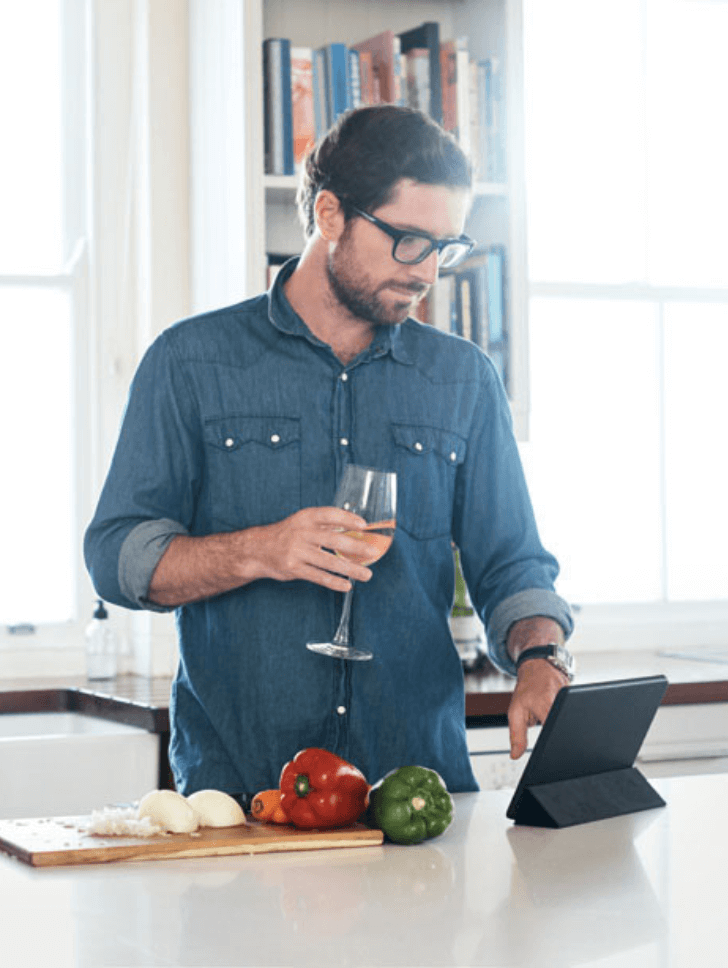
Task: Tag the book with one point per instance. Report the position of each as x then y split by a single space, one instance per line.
496 296
479 306
386 55
369 93
336 80
463 298
427 37
417 74
278 121
442 304
320 98
455 78
354 75
492 133
475 123
487 314
302 102
462 96
448 75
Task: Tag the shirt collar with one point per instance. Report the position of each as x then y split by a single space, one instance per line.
388 339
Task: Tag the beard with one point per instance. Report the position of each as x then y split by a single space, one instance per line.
362 299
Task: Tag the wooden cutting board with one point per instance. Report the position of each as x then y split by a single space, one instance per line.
57 841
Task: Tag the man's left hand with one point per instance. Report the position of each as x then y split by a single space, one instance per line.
536 688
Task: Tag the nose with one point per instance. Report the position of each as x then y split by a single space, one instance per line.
427 270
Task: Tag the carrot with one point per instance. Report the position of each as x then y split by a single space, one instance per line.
266 806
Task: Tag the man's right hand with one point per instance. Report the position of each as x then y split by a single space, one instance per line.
310 545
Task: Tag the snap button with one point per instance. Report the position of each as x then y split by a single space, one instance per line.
418 446
341 710
344 377
275 438
229 442
453 456
344 441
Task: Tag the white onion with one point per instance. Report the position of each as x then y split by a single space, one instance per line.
216 809
170 811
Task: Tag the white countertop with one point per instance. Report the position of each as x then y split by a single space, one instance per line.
647 890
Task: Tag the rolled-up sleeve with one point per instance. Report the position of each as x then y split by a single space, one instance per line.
150 491
509 573
139 556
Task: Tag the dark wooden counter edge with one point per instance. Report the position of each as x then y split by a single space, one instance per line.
131 712
154 716
495 703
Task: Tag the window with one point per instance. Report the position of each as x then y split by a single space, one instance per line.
628 265
42 307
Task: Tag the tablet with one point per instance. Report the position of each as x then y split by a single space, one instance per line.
591 729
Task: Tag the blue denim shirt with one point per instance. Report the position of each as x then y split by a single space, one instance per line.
241 417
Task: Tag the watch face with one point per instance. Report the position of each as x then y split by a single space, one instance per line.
563 660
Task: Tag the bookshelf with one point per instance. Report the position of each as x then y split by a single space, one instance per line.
239 213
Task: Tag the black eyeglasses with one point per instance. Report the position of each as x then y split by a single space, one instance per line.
412 247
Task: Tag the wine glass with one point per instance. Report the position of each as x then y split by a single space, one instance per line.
372 495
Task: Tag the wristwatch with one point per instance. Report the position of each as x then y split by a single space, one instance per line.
559 657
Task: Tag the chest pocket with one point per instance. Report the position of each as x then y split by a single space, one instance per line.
427 460
253 469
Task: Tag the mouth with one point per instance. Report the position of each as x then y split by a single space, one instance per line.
411 291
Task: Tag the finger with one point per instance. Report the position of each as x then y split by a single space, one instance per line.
331 517
339 565
326 579
348 545
518 729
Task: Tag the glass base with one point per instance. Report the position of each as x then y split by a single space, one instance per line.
339 651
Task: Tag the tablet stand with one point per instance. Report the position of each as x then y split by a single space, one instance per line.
564 803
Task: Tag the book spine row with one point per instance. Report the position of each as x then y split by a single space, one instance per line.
306 89
471 302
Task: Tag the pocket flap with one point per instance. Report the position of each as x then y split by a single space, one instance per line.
420 440
230 433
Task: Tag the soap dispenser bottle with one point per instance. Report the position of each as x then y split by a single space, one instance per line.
101 650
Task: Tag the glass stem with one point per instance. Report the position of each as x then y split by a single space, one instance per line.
342 633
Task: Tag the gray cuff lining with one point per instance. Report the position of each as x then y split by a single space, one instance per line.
529 603
139 556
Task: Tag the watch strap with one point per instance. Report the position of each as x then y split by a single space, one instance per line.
536 652
557 655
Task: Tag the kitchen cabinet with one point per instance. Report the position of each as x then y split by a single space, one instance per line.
683 740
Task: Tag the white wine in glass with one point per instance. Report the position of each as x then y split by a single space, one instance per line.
372 495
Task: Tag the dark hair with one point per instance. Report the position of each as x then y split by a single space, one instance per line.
368 150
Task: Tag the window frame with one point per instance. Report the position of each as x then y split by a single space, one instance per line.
655 625
21 643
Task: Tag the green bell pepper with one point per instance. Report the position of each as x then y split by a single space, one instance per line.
410 805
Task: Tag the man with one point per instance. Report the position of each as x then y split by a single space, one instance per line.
238 426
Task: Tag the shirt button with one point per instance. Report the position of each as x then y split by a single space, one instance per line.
418 446
344 441
229 442
341 710
453 456
275 438
344 377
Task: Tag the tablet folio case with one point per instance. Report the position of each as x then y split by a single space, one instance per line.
564 803
582 765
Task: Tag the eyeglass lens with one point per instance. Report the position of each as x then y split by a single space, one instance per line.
412 248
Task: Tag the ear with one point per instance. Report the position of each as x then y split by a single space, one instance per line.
329 216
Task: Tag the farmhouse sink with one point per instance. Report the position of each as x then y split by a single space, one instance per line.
63 763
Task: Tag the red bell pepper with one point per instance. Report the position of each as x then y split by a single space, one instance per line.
320 790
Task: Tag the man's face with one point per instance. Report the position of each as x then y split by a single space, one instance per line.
364 277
